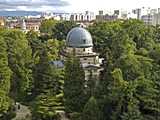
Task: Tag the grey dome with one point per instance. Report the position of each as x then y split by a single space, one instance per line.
79 37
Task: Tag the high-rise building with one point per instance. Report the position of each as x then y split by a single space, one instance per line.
116 12
106 17
147 19
80 17
101 12
156 19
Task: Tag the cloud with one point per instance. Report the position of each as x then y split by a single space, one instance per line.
31 4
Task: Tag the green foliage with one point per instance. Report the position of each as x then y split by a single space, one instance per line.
128 88
140 33
75 116
62 28
47 26
47 77
5 83
47 89
103 34
53 48
19 59
74 97
34 43
46 106
91 110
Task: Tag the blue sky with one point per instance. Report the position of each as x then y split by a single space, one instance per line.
75 5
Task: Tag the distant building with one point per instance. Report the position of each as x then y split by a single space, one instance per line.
81 17
153 11
2 21
116 12
106 17
25 24
156 19
123 14
147 19
33 24
158 10
101 12
64 16
152 17
138 13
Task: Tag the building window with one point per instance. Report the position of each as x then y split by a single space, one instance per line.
84 40
83 49
85 58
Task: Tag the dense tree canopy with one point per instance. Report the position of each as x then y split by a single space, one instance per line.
128 86
5 75
19 59
62 28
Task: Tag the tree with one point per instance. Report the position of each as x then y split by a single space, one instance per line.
140 33
47 27
34 42
91 110
62 28
19 61
133 112
74 97
5 83
47 77
53 48
103 34
48 91
46 107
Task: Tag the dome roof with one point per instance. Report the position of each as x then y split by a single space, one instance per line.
79 37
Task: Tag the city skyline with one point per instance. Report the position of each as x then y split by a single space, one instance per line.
75 5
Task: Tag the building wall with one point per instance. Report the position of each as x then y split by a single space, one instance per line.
147 19
87 16
86 55
2 22
95 73
156 19
89 60
80 50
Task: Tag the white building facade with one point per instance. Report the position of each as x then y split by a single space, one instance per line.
87 16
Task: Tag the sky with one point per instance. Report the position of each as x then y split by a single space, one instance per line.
75 5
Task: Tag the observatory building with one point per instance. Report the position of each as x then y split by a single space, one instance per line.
79 41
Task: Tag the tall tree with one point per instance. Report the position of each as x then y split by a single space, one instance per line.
62 28
48 88
19 60
91 110
46 76
74 97
34 42
5 83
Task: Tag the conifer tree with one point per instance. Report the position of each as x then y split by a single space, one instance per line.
91 110
19 61
74 85
48 89
5 75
